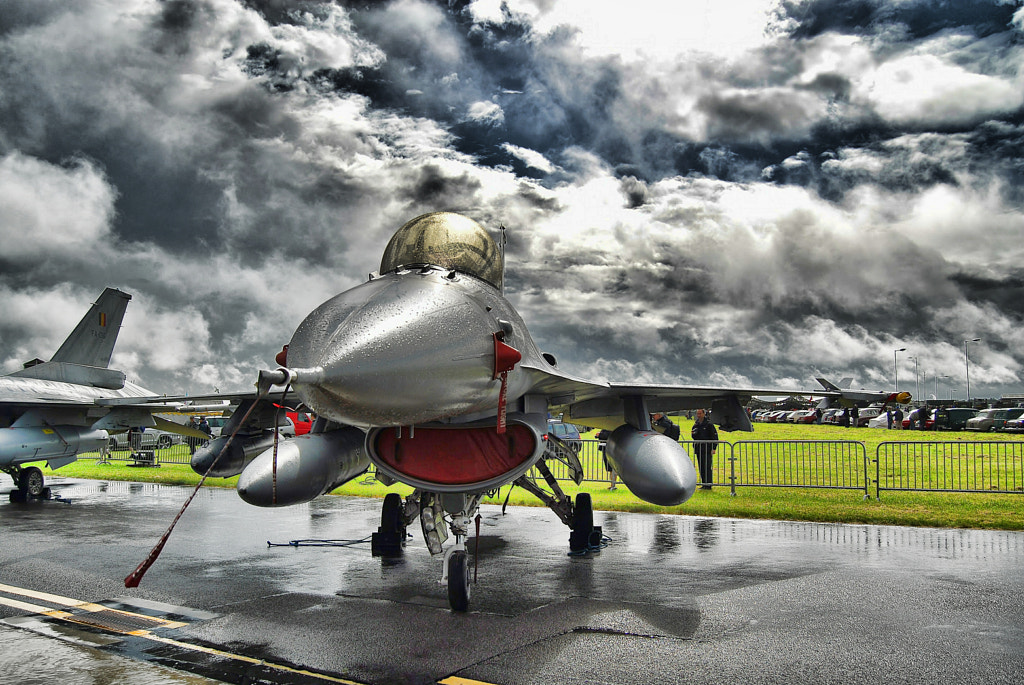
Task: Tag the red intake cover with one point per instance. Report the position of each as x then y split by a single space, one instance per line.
455 456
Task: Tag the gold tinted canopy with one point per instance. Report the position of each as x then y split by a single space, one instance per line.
445 239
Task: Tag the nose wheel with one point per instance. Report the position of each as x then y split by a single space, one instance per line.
457 567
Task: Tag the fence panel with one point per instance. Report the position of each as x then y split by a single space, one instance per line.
955 466
179 453
591 456
831 464
991 466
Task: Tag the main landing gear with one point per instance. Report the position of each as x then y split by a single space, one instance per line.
584 536
30 484
441 513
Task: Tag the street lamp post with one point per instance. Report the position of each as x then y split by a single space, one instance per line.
895 372
967 365
917 380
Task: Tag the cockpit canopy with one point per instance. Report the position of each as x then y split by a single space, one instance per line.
448 240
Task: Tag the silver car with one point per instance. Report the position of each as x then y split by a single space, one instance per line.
149 439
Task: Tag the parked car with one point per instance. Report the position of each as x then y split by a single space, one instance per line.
912 420
217 424
952 418
1012 414
567 433
804 416
149 439
300 423
866 414
987 420
1015 425
831 415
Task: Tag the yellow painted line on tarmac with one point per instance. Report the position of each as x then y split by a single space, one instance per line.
44 596
456 680
90 607
22 606
85 607
238 657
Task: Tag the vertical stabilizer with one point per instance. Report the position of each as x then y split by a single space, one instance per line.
92 341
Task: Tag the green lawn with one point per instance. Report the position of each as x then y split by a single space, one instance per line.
956 510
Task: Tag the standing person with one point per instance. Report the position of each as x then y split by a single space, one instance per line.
705 438
667 426
602 442
897 419
854 416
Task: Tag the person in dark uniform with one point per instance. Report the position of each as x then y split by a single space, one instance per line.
663 424
705 438
602 441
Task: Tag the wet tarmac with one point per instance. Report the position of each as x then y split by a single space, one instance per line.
669 599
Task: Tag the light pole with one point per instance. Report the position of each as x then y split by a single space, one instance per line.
936 378
895 373
967 364
917 380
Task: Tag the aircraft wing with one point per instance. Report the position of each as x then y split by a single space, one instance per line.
609 405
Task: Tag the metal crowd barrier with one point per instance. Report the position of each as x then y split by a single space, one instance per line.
983 466
139 452
825 464
956 466
990 466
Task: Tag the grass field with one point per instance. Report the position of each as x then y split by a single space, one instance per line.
948 509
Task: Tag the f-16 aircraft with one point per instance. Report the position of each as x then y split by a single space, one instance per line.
842 394
427 372
53 411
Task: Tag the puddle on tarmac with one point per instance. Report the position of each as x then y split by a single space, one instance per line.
30 659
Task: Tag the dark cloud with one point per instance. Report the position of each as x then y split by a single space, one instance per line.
798 205
918 18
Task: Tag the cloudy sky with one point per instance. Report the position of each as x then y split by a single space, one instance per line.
750 192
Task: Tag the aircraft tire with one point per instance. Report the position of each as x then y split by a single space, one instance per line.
391 514
458 581
582 528
583 513
30 481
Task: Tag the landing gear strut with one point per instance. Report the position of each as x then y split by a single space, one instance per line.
30 483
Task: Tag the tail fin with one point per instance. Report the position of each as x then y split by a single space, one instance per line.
829 385
92 341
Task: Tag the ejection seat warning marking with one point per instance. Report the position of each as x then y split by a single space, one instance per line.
456 680
136 625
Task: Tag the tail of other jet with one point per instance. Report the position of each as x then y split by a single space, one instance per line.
92 341
844 384
84 356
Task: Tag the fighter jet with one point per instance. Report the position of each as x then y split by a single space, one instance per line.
427 372
53 411
846 397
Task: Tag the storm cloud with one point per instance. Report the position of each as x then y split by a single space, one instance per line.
785 190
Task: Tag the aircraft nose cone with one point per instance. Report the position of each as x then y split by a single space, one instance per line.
402 349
